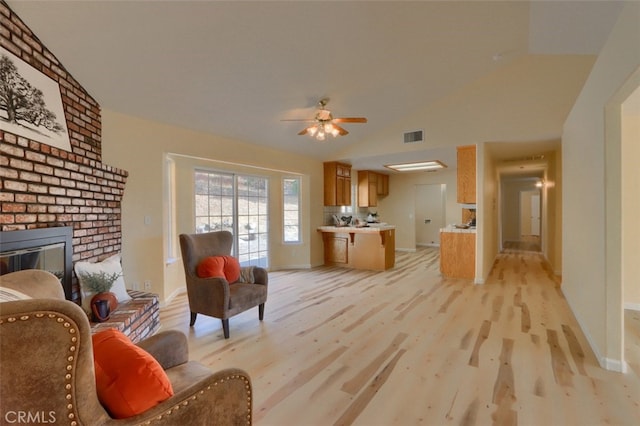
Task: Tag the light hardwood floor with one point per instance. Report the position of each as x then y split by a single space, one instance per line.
407 347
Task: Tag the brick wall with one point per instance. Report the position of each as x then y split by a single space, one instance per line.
43 186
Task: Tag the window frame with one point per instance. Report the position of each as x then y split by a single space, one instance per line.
298 204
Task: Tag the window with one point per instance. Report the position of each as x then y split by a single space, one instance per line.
291 209
239 204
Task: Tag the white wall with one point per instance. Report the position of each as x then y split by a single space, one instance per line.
589 223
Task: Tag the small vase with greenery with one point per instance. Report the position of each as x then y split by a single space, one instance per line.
103 301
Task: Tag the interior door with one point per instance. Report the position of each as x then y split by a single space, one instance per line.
529 213
429 213
535 214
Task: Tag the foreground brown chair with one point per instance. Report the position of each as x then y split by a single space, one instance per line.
47 370
214 296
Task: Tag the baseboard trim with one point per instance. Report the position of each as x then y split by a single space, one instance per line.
286 267
172 296
407 250
611 364
616 365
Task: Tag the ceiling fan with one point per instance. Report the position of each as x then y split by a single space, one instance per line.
324 123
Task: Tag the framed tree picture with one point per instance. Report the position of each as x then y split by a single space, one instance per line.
30 103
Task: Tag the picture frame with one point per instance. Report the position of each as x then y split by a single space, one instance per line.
31 103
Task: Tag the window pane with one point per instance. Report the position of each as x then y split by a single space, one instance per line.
238 204
291 210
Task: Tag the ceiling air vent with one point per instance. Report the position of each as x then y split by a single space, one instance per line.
415 136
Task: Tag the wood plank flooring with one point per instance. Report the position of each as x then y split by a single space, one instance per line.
407 347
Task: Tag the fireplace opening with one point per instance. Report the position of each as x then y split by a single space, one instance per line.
49 249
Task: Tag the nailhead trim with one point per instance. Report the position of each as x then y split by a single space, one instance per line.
201 392
71 359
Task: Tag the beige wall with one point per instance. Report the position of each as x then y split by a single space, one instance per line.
140 147
398 207
487 237
631 207
552 213
591 214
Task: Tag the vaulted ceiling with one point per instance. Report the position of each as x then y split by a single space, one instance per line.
237 68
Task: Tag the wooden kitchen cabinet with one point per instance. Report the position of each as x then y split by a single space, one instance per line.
336 249
367 188
337 184
383 185
458 254
467 174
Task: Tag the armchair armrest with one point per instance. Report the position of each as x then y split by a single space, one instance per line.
207 294
169 348
202 397
260 276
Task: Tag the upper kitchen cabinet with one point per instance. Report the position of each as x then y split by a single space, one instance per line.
467 174
383 185
337 184
371 185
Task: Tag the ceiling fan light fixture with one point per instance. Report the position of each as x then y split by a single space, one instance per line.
324 123
330 128
417 166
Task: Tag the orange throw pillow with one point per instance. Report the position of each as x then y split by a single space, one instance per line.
128 379
231 269
212 266
226 267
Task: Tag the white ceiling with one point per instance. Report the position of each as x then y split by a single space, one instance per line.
237 68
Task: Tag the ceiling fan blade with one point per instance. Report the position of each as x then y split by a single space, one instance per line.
342 131
303 132
350 120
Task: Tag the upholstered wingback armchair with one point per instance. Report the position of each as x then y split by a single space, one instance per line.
47 367
215 296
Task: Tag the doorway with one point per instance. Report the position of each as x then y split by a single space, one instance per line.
529 239
429 213
521 212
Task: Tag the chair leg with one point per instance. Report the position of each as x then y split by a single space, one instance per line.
261 311
225 327
193 318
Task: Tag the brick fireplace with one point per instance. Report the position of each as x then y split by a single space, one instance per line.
42 186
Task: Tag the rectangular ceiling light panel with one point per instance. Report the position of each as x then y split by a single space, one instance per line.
417 166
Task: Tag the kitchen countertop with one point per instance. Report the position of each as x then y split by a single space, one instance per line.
451 228
364 229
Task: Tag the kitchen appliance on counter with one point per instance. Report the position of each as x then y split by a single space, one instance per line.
472 221
341 221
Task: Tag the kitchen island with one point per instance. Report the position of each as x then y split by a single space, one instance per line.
370 247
